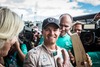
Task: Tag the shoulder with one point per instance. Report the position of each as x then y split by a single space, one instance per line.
33 53
35 50
32 57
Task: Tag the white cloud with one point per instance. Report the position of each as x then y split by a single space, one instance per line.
44 8
59 9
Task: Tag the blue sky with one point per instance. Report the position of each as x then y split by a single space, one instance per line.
89 7
33 10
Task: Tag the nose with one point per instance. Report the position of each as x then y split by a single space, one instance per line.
77 31
51 32
63 28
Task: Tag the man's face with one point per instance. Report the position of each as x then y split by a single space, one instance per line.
51 34
65 24
78 28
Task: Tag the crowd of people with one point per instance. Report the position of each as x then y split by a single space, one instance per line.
52 48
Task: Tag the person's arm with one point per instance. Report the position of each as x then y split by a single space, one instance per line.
17 47
20 53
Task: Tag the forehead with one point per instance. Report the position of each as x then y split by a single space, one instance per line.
78 25
65 20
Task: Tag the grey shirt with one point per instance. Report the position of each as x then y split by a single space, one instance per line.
40 56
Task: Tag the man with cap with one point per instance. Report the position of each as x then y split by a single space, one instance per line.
48 54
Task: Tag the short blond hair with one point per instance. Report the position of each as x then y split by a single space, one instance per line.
10 25
78 22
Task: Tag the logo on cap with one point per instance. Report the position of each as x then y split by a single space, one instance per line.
51 20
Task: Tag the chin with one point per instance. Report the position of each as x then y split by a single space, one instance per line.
61 34
52 42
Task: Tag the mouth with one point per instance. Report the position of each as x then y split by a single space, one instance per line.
62 31
51 37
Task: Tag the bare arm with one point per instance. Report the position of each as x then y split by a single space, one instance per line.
17 46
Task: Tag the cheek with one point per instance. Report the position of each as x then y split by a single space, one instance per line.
44 36
68 28
58 33
45 33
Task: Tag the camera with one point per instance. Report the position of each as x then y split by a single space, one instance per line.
90 36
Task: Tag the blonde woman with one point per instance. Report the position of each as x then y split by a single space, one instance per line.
10 26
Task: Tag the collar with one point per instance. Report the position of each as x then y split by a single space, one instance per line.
64 35
50 52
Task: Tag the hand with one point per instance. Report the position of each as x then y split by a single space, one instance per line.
89 60
64 63
15 43
97 16
1 65
72 58
69 32
14 46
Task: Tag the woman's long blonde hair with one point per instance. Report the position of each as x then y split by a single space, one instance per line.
10 25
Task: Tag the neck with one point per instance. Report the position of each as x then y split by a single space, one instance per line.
50 46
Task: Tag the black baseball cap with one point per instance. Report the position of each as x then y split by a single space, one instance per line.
50 20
